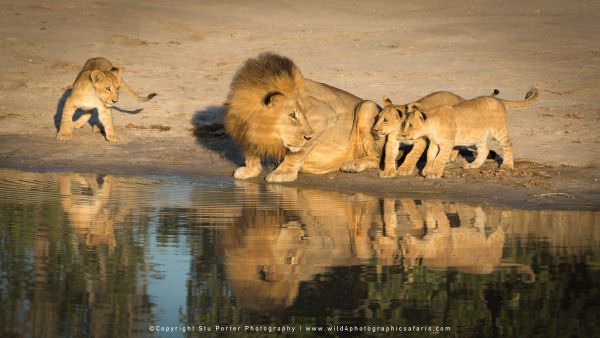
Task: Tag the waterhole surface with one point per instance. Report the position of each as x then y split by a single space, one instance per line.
109 256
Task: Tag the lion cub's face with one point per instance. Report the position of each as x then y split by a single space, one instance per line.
106 86
389 120
412 128
292 127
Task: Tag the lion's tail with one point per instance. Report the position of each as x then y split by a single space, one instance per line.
531 96
130 91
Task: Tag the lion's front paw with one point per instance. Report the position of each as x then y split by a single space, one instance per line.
243 173
64 136
426 171
471 165
387 173
115 139
405 170
434 174
282 176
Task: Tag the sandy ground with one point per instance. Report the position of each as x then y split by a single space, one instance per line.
188 51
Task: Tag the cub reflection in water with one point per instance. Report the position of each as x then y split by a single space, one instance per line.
92 207
457 236
284 236
98 276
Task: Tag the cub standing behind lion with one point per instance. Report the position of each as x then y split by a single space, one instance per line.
388 125
96 87
467 123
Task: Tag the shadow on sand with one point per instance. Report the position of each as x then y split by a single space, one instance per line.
467 154
59 108
210 133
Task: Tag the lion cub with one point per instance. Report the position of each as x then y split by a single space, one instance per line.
467 123
96 87
389 122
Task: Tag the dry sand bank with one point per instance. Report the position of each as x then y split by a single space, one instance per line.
187 51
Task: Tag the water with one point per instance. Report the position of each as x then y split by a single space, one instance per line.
106 256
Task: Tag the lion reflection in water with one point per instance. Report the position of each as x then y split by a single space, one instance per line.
284 236
94 206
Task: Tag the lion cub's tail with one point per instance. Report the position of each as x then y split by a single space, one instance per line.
130 91
531 96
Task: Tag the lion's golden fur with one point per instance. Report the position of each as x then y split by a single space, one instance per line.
248 121
467 123
272 111
96 88
391 116
388 124
283 236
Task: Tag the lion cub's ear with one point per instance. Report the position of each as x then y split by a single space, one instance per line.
413 107
96 76
386 101
116 71
272 99
420 115
401 111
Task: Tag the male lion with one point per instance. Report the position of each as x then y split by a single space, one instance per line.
274 112
96 87
467 123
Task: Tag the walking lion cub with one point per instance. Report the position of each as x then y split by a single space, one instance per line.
466 123
388 124
389 121
96 87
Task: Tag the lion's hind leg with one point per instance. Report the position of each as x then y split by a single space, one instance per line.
482 154
356 166
501 134
367 150
65 131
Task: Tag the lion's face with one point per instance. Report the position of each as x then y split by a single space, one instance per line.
106 86
413 126
292 127
389 120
